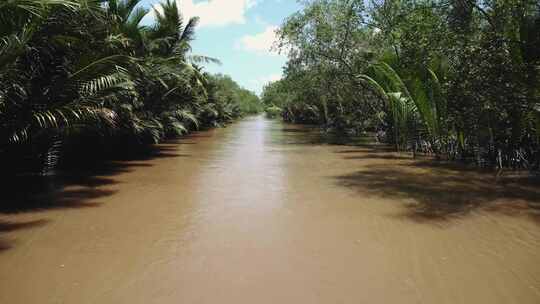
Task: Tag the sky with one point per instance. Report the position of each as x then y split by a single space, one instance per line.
240 33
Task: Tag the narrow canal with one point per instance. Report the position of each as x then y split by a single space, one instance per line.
264 212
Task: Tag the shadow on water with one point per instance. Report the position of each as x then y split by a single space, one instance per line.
436 190
196 135
165 150
77 185
379 155
290 134
66 190
431 190
9 226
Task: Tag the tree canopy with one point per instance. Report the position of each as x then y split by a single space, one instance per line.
457 78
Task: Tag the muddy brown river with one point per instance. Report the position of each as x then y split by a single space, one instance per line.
264 212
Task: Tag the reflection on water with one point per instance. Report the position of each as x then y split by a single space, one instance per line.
264 212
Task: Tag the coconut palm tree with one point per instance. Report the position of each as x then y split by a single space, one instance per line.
89 69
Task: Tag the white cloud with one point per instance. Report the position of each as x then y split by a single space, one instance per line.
261 43
216 12
258 83
270 78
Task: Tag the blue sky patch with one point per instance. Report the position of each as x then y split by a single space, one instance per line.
240 33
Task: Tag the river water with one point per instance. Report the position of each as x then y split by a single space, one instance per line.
263 212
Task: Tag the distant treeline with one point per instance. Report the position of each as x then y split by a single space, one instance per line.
459 79
88 71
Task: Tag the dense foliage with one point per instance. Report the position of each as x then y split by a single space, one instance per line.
456 78
87 72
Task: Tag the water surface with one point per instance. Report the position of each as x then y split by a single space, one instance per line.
263 212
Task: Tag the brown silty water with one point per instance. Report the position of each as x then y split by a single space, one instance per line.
263 212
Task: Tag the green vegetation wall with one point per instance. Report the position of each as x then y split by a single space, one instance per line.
87 73
459 79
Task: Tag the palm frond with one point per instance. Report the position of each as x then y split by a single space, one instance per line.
197 59
188 116
188 32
